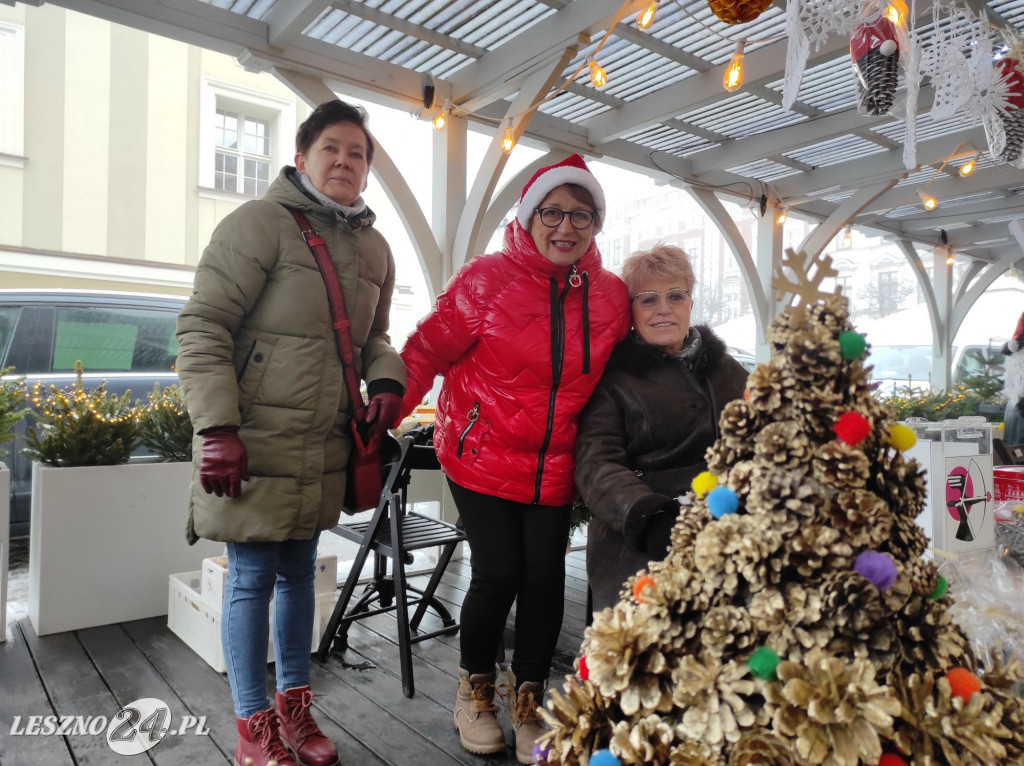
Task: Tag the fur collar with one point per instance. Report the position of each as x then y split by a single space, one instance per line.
629 354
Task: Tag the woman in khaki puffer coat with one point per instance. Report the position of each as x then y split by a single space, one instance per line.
262 377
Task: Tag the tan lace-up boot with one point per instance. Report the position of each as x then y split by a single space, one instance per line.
523 703
475 713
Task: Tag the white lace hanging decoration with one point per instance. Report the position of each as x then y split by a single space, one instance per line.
910 58
945 61
809 23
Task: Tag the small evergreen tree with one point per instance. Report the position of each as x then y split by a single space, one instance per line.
81 427
164 424
13 397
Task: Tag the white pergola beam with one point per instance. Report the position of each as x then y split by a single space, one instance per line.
694 92
286 21
826 231
501 71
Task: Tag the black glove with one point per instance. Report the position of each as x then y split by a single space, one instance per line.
657 537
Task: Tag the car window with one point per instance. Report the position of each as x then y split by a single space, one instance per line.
8 316
114 340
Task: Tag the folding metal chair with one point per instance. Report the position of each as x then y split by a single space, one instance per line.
392 534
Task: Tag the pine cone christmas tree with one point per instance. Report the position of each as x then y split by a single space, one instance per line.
794 620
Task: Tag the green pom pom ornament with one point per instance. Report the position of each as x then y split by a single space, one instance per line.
941 586
763 663
851 345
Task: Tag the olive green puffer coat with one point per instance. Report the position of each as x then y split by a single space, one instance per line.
257 350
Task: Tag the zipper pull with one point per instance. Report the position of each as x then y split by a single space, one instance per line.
474 413
575 280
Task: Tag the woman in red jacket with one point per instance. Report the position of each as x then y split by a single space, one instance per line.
521 337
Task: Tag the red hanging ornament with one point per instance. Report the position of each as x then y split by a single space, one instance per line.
1013 116
852 428
875 51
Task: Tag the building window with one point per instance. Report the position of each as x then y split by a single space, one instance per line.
242 158
245 137
616 252
12 90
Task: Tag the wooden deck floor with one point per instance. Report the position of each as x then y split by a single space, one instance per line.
359 705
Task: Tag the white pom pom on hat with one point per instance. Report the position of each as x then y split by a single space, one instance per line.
571 170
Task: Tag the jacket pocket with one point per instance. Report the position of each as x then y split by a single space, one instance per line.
471 434
251 369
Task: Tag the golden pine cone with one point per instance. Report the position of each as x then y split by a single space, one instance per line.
786 495
900 483
690 753
624 649
814 546
647 740
782 445
578 720
760 748
713 696
727 452
739 419
727 630
939 728
861 516
772 389
841 466
813 356
739 477
907 541
831 710
929 639
832 313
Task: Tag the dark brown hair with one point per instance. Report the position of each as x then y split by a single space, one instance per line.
329 113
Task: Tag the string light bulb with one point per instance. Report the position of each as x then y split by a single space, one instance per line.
598 77
896 12
442 117
929 202
733 78
509 140
968 167
848 237
781 219
950 260
645 19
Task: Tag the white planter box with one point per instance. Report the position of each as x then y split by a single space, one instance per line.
104 540
5 544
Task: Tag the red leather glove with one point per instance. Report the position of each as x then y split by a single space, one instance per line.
223 463
382 411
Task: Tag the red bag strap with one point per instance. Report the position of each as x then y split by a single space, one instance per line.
339 317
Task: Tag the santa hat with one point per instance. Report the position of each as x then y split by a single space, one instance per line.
572 170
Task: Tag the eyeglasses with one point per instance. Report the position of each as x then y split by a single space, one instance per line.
648 299
552 217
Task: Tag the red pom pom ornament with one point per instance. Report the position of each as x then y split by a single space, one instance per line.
962 683
584 670
888 759
852 428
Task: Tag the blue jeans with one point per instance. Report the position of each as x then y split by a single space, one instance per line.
255 572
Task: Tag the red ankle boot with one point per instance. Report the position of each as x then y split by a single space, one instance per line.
259 742
300 732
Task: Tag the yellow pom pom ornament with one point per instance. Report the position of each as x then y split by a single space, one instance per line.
704 482
902 437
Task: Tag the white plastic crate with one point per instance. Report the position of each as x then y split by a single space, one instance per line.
215 574
196 621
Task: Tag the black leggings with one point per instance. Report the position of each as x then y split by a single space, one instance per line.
517 554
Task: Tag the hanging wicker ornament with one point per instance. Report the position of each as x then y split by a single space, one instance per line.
738 11
875 51
1013 115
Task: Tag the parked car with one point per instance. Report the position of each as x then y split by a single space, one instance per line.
125 339
910 366
743 357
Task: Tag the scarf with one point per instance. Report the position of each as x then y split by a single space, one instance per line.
342 211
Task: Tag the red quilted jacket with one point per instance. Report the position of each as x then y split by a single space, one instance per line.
521 343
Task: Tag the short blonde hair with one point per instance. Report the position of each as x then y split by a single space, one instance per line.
661 262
